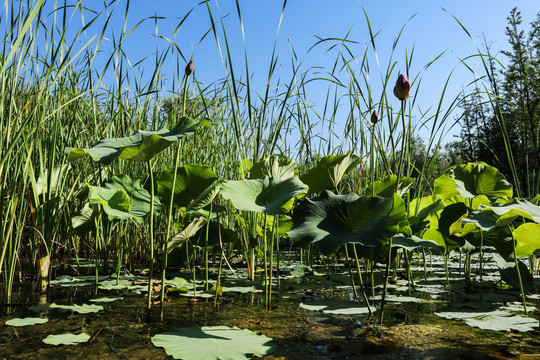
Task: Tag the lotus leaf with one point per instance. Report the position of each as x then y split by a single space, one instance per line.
412 242
213 342
507 268
268 195
141 146
471 180
106 299
26 321
276 166
66 339
81 309
492 320
191 181
329 172
527 239
335 306
387 187
333 220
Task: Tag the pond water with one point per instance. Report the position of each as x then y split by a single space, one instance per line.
411 329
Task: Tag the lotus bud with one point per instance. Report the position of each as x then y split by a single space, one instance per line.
402 88
374 117
190 68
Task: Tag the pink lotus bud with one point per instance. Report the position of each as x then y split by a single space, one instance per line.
402 88
374 117
190 68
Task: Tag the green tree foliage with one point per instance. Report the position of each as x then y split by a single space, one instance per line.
503 127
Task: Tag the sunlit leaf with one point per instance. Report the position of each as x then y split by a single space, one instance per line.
213 342
266 195
329 172
141 146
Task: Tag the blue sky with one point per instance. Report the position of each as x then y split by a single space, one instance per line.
428 29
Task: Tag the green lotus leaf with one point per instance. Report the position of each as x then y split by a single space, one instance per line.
333 220
83 221
184 235
492 320
507 212
141 146
66 339
114 202
435 236
387 187
527 239
471 180
191 181
336 306
206 197
412 242
106 299
266 195
329 172
213 342
276 166
507 269
81 309
301 271
123 198
26 321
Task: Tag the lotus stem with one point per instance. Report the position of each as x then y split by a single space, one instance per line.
355 293
518 273
151 270
360 279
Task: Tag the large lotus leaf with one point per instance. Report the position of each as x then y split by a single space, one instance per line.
507 269
424 207
471 180
213 342
122 198
66 339
206 197
214 235
387 187
81 309
83 221
191 181
329 172
184 235
422 212
492 320
139 197
276 166
436 236
141 146
26 321
527 239
515 208
114 202
268 195
412 242
333 220
449 216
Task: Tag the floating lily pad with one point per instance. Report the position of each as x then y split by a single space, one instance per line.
213 342
81 309
397 299
26 321
66 339
336 306
492 320
106 299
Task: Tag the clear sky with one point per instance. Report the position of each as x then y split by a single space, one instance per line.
428 29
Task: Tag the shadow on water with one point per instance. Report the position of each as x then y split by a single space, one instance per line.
411 331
